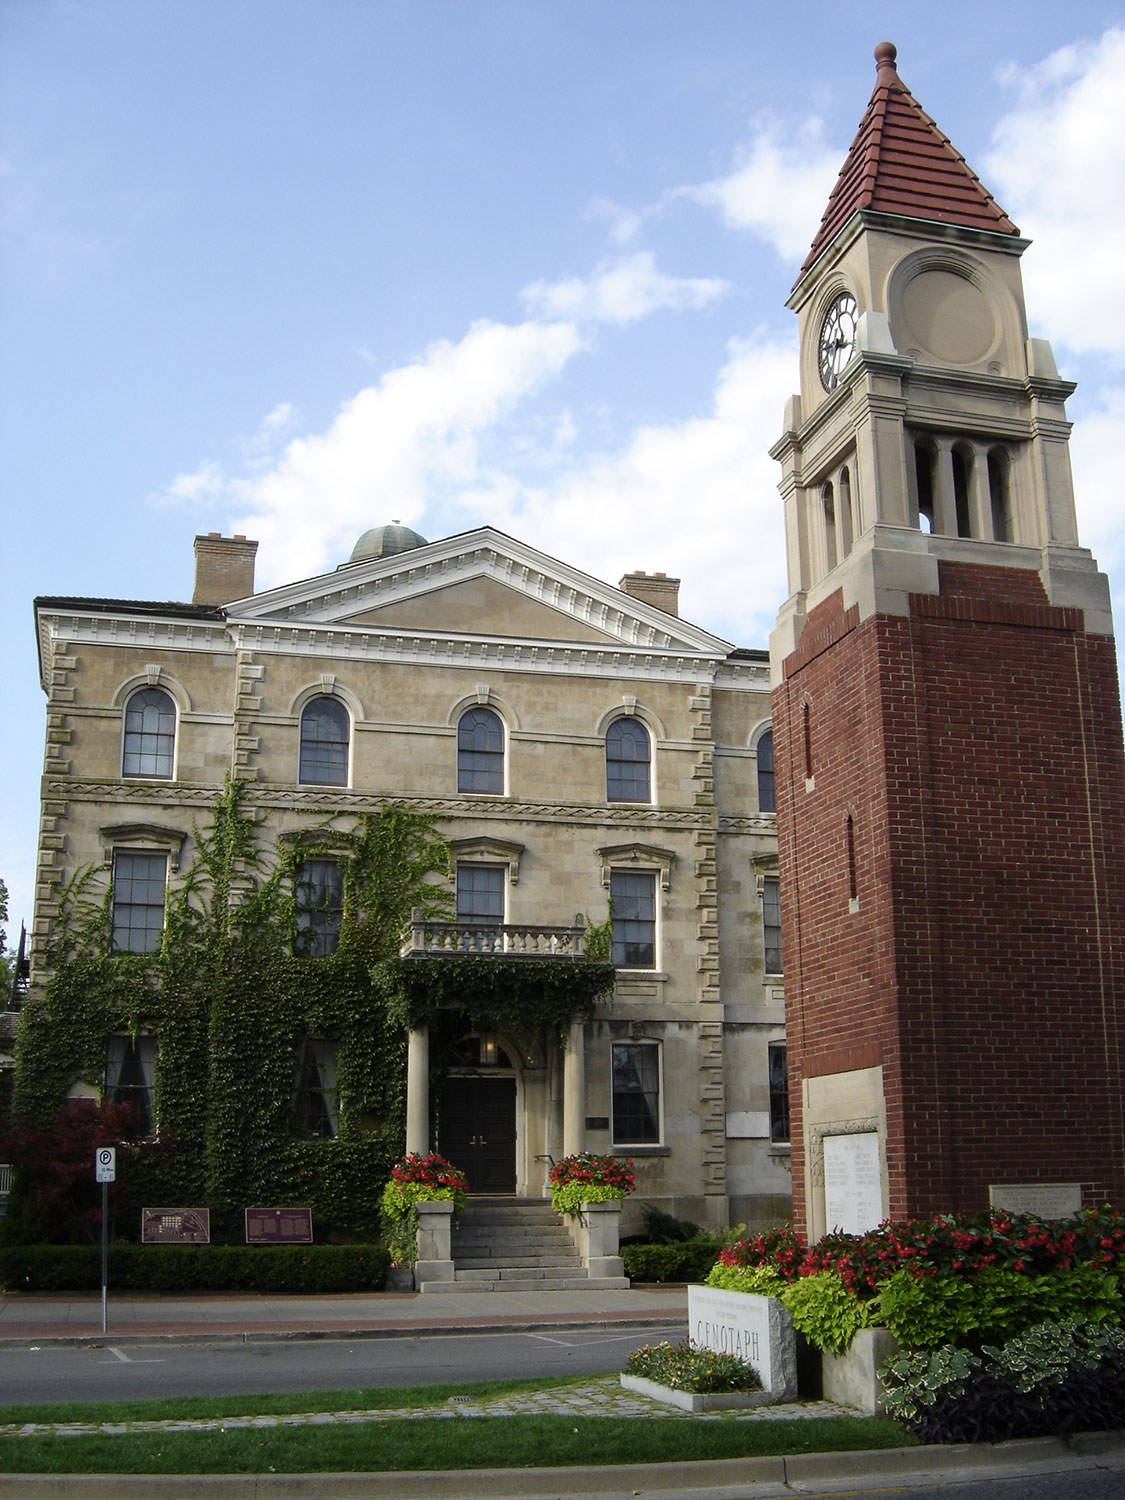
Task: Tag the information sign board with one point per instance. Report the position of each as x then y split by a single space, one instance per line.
175 1226
105 1164
853 1192
279 1226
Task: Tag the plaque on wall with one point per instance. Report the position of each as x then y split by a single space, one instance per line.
1046 1200
279 1226
175 1226
853 1188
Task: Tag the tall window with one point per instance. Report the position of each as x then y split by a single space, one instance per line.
779 1093
320 905
325 736
150 734
767 789
128 1075
480 752
628 756
139 883
316 1106
636 1093
771 923
632 896
1000 496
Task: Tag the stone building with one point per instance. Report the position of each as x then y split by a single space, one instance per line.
581 747
950 770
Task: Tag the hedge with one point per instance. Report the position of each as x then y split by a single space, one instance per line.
687 1260
195 1268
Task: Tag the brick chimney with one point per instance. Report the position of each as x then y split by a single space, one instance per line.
653 588
224 568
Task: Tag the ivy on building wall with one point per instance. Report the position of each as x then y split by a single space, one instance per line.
230 1004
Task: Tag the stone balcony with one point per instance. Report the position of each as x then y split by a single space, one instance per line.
492 940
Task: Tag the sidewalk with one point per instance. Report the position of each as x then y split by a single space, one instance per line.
208 1319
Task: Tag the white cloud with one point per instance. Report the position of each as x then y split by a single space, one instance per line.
1057 164
696 498
201 487
779 186
621 291
1096 456
396 446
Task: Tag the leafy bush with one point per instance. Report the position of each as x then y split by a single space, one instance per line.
298 1269
760 1281
686 1260
587 1178
1056 1378
825 1311
683 1367
666 1229
417 1179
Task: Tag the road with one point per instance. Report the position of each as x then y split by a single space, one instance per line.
119 1372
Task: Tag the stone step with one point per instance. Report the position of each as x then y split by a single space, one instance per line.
477 1262
545 1284
521 1273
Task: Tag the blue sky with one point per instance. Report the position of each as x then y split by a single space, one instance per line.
296 267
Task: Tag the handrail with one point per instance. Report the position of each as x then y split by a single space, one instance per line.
492 940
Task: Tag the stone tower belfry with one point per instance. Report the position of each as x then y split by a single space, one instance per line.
947 727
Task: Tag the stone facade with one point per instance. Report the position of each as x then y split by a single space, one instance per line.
403 648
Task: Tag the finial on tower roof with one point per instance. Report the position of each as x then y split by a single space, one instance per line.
885 54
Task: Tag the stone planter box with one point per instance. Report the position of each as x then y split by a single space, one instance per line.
690 1401
850 1379
399 1279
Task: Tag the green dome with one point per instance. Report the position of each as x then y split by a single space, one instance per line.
385 541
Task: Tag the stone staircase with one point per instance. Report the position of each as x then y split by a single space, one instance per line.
516 1245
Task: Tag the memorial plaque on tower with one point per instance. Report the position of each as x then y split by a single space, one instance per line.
853 1190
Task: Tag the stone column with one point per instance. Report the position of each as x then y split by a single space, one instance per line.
418 1091
574 1090
980 500
945 502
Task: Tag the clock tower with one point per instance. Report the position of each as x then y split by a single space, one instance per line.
947 725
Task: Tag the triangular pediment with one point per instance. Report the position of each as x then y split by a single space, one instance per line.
481 584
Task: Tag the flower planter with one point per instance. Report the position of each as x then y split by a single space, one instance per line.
691 1400
851 1379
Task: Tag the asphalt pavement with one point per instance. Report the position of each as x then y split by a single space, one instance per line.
208 1319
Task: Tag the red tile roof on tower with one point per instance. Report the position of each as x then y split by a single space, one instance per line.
901 163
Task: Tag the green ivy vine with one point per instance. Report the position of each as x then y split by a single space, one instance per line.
229 1002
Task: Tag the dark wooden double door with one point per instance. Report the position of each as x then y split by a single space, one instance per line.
477 1128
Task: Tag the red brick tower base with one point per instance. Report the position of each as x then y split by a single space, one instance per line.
951 802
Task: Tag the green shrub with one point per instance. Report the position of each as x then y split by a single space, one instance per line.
825 1311
686 1260
760 1281
1056 1378
296 1269
683 1367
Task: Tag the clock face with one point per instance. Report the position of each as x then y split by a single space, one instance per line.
837 339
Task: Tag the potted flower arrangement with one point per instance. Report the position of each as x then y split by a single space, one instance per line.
416 1179
586 1178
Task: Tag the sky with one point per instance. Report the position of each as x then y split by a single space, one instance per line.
295 268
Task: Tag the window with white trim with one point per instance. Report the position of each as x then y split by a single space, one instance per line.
326 730
129 1067
632 895
628 761
319 894
480 752
480 893
771 923
316 1100
140 882
636 1099
149 746
767 792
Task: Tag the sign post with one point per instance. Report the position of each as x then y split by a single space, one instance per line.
105 1171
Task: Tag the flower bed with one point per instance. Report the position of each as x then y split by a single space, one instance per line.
714 1380
586 1178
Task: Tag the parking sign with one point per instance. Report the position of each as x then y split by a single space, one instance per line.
105 1164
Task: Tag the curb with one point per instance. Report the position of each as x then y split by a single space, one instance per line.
813 1472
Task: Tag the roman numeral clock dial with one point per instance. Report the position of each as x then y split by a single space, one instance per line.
837 339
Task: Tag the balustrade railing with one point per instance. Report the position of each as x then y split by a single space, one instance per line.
492 940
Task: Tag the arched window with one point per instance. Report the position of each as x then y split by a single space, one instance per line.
480 752
999 490
962 470
325 737
767 797
925 461
828 505
150 734
628 756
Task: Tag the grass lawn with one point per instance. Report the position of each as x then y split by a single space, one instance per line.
438 1442
421 1443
